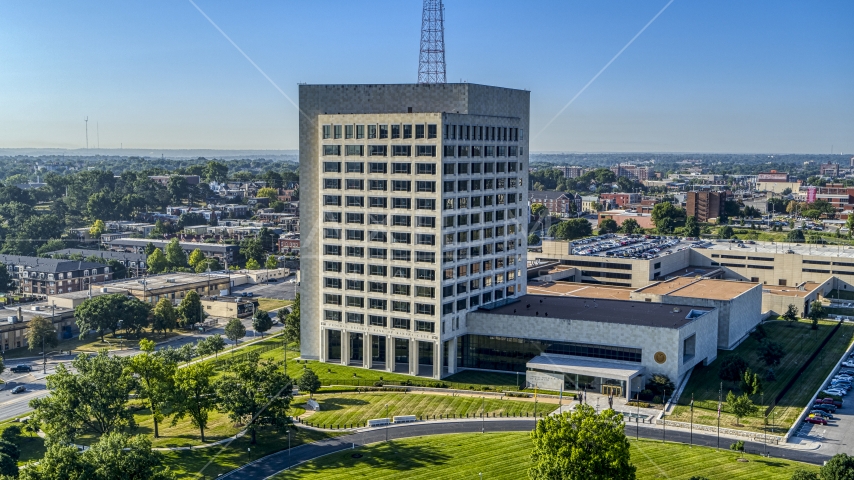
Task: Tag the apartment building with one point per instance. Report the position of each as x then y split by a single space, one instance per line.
413 204
705 205
39 277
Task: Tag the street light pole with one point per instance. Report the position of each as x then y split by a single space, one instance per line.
482 424
387 421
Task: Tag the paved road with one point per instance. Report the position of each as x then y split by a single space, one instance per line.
12 406
270 465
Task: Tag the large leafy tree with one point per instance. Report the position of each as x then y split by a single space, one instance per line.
261 321
155 379
235 330
100 314
309 382
41 332
816 313
292 322
771 352
252 249
194 395
134 314
630 226
571 229
791 314
608 225
839 467
164 317
94 398
581 445
255 392
157 262
6 282
196 257
190 310
176 257
213 344
666 216
692 228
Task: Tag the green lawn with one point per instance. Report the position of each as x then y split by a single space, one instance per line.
507 456
270 304
92 343
799 341
31 446
209 462
358 408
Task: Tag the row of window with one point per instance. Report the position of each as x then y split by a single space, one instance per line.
478 151
379 321
376 202
380 150
462 254
377 287
396 168
466 168
378 304
380 236
331 266
480 132
358 132
450 221
379 185
477 300
359 252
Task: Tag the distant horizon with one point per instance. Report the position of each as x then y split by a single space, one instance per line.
618 77
80 152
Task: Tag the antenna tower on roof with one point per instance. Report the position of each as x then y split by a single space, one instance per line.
431 61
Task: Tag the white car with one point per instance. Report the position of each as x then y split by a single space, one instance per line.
838 393
849 364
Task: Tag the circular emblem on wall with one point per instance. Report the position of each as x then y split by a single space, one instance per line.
660 357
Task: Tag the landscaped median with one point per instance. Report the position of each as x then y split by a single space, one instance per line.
355 409
799 343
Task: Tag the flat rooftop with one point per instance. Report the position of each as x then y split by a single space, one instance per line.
624 312
779 247
699 288
593 368
581 290
794 291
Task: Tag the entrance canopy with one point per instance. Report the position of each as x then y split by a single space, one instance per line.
574 372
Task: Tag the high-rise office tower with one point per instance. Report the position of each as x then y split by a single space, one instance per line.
413 212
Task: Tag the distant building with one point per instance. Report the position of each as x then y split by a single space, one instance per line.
134 262
705 206
632 171
620 216
571 172
776 182
224 253
829 170
39 277
557 202
164 179
620 200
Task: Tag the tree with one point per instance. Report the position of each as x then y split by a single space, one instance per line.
175 255
801 474
194 395
571 229
234 331
630 226
268 192
41 333
791 314
149 248
665 216
539 208
92 399
839 467
816 312
750 383
196 257
261 321
740 406
732 368
771 352
251 248
8 466
191 219
255 392
608 225
10 449
213 344
309 382
271 263
581 444
157 262
692 228
849 224
253 264
190 310
660 384
795 236
533 239
6 282
292 322
104 312
134 315
154 374
216 172
164 316
738 447
97 228
726 232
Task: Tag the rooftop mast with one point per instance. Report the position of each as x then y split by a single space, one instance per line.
431 64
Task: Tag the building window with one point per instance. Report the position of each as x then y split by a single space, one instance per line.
377 320
400 306
378 150
424 326
327 131
431 131
332 150
425 169
407 131
425 151
401 168
355 167
395 131
425 309
400 289
337 131
348 131
401 151
400 323
355 150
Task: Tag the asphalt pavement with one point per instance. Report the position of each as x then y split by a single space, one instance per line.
270 465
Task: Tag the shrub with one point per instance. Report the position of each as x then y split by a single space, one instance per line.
732 369
656 399
660 384
378 384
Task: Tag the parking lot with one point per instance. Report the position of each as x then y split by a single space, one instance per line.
838 435
629 246
284 289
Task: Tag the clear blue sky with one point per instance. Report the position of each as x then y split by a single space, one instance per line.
706 76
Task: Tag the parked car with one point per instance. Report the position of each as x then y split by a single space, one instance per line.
831 401
19 389
816 420
272 280
822 413
849 364
836 391
829 408
21 368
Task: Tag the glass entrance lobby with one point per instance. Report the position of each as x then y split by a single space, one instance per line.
572 374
